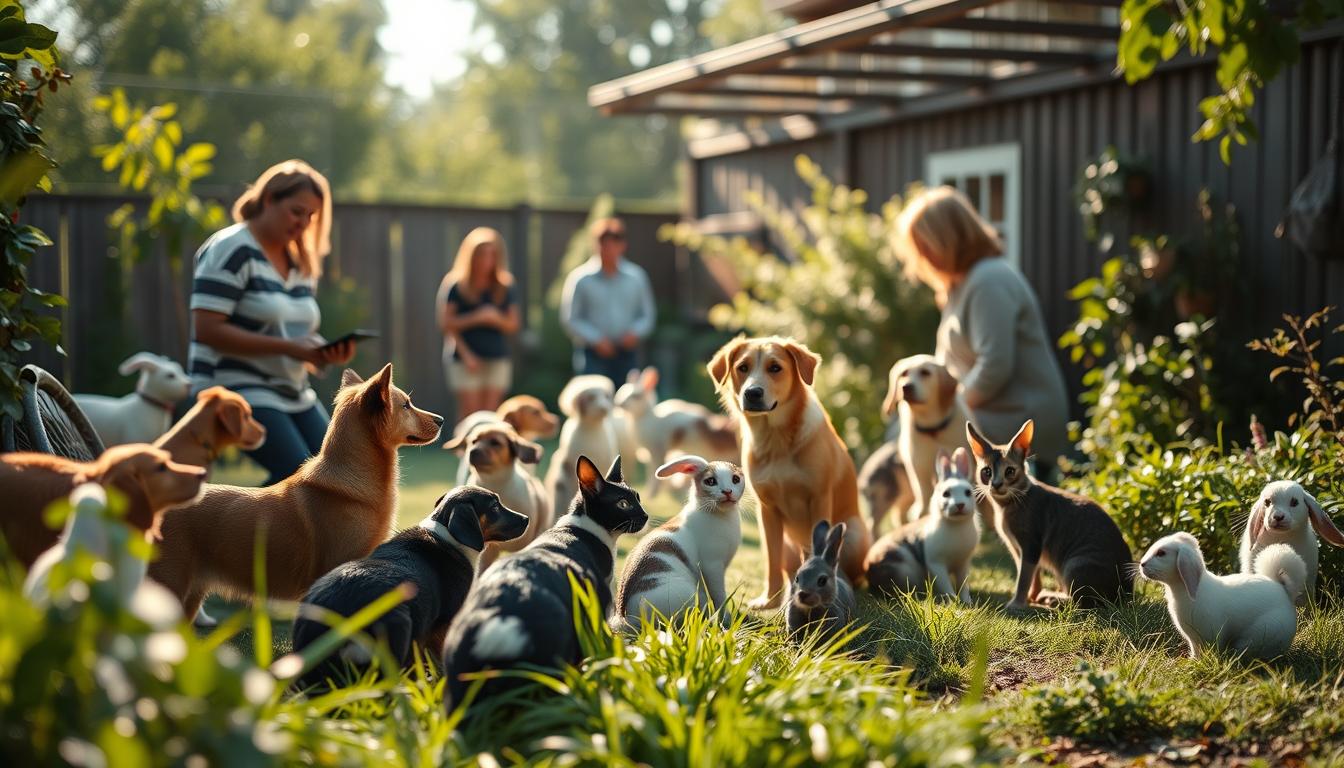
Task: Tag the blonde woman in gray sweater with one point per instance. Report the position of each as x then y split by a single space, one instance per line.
992 337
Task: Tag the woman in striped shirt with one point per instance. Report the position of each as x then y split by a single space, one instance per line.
255 316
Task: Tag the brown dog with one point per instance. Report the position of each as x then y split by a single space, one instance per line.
220 418
528 417
497 455
795 461
29 482
337 507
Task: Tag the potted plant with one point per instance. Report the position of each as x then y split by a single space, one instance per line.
1111 184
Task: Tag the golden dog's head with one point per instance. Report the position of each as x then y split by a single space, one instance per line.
528 417
755 376
232 421
494 446
384 407
922 383
151 479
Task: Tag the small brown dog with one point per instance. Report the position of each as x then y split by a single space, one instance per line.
497 455
795 461
528 417
220 418
337 507
29 482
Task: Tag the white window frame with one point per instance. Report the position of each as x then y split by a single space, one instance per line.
983 161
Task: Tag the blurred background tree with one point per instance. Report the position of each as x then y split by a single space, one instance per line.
265 80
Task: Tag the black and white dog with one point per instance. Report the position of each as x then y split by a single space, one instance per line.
438 557
521 611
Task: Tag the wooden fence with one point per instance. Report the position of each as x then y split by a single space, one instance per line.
385 268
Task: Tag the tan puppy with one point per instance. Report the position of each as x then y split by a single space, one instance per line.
220 418
932 418
794 459
496 455
528 417
148 477
337 507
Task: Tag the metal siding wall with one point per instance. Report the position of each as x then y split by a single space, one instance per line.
1061 132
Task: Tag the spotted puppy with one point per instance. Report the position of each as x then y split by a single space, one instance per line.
521 611
438 557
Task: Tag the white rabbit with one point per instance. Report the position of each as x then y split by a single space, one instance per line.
1286 514
587 431
936 547
1249 613
820 597
685 559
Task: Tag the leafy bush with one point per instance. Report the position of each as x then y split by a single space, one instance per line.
1094 706
28 72
840 290
1299 348
1154 388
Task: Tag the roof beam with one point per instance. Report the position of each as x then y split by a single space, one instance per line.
829 33
885 75
979 53
1046 28
796 93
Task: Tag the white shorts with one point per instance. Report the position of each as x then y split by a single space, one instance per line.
490 374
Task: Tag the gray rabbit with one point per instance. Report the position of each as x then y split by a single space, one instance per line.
820 597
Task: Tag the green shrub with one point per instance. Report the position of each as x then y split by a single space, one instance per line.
1094 706
841 292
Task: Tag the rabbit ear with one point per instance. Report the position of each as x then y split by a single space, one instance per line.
686 465
819 536
944 465
1190 570
961 462
1256 522
834 540
1325 527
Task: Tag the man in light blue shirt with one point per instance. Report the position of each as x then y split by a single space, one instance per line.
607 308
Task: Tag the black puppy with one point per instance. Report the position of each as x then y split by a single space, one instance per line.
521 611
438 556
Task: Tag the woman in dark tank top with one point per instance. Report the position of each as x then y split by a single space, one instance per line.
477 314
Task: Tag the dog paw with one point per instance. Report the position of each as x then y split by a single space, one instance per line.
764 603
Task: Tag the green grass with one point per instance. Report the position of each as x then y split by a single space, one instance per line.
912 675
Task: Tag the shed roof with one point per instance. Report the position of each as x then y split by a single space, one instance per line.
876 62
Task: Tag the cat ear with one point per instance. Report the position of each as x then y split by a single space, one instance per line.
1190 570
590 477
1021 442
614 474
979 445
944 465
1325 527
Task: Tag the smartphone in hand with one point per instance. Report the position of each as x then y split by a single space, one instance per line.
356 335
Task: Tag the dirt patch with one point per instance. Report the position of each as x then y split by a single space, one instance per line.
1012 673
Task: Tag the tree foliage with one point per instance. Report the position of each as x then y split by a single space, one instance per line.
1254 41
28 73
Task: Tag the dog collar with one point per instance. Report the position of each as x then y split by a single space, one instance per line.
935 429
438 530
158 404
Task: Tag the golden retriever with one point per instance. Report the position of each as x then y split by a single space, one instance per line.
795 461
337 507
29 482
932 418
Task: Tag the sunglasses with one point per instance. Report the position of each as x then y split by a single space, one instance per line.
617 236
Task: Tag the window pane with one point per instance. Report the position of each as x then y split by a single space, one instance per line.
996 197
973 191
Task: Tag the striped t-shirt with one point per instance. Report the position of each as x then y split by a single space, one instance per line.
233 277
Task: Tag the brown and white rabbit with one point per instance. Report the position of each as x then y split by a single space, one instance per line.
937 547
820 597
685 560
